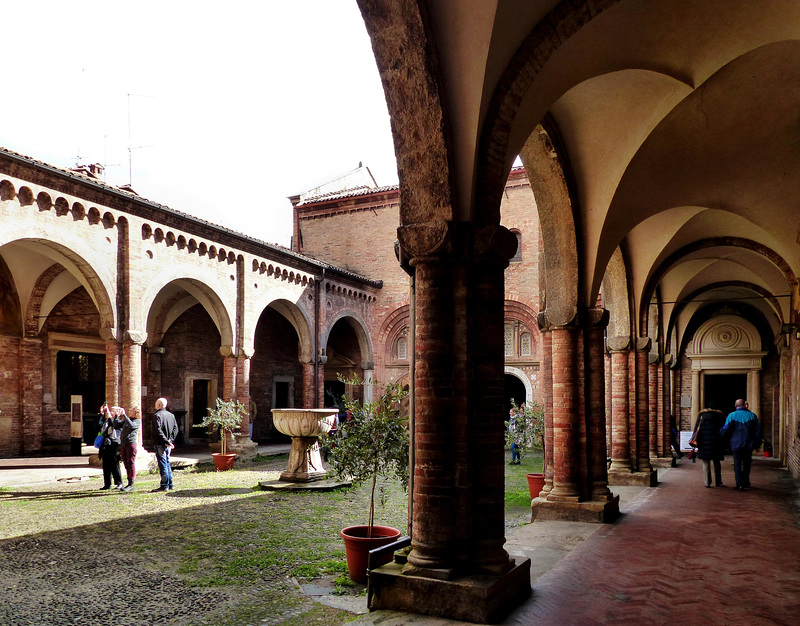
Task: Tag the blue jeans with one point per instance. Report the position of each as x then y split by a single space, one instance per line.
164 468
515 454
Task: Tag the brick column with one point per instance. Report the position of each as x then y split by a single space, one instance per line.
620 437
609 418
565 415
243 389
547 399
113 373
131 384
321 360
309 398
695 397
642 405
653 415
666 441
228 373
597 453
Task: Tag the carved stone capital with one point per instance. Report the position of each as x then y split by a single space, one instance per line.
227 351
643 344
108 334
597 317
541 319
494 241
653 358
424 239
135 336
668 359
619 343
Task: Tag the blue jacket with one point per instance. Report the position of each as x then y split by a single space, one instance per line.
742 428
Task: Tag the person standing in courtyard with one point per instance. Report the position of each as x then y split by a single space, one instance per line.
165 429
109 450
709 443
743 432
129 441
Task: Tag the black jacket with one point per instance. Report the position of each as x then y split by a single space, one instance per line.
709 442
165 427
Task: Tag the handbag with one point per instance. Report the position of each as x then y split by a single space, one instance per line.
98 441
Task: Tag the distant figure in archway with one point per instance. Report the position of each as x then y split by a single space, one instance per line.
709 442
744 433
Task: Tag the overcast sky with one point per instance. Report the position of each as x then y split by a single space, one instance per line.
234 106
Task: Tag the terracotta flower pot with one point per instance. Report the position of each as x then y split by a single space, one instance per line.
223 461
357 546
535 484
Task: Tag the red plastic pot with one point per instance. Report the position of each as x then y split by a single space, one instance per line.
223 461
357 546
535 484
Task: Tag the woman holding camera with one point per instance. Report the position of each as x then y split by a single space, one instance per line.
129 432
109 450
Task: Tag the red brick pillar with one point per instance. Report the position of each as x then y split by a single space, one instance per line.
609 419
321 380
309 398
228 376
547 400
131 383
653 393
620 410
666 438
566 415
113 373
597 453
642 405
30 395
243 388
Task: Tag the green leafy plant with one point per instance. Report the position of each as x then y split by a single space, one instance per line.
226 417
374 443
528 429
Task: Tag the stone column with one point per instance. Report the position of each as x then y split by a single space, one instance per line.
643 405
695 397
620 413
597 453
309 374
754 391
547 398
369 380
664 408
654 418
609 419
243 389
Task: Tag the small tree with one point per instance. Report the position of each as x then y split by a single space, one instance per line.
225 418
528 429
374 443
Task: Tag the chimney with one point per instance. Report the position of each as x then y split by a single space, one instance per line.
96 170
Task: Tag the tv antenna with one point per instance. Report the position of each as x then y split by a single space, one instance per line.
130 147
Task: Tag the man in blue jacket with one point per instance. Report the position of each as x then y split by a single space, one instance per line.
741 429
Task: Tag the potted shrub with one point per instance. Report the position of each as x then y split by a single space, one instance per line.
225 418
373 444
527 432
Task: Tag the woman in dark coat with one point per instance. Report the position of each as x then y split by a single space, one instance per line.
709 443
109 450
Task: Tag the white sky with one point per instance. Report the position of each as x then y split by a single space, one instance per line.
235 105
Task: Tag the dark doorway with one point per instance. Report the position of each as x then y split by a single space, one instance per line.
514 389
281 395
334 391
199 406
80 374
725 389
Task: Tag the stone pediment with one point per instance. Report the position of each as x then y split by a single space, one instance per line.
726 342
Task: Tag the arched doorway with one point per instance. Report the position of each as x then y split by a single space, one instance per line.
514 389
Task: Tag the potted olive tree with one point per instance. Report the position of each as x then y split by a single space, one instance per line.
526 431
225 418
372 444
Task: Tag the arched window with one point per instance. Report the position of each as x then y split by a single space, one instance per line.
402 348
525 344
508 340
517 258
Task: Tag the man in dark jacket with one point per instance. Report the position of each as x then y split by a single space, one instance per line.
709 442
165 430
743 431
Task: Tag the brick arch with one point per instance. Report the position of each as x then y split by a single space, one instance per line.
296 316
359 327
703 244
44 281
394 323
147 310
77 256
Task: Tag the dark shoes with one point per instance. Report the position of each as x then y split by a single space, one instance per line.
105 488
160 489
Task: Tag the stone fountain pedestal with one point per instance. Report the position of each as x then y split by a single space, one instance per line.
304 426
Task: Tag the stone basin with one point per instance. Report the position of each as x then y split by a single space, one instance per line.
303 422
304 426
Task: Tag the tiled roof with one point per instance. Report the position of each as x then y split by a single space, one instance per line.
348 193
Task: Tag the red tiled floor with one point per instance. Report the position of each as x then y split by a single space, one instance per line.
684 553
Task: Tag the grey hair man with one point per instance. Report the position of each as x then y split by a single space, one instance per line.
165 430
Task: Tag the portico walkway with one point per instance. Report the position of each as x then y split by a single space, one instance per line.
679 553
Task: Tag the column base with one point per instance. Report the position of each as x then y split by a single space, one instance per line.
481 599
594 512
244 447
639 479
662 462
